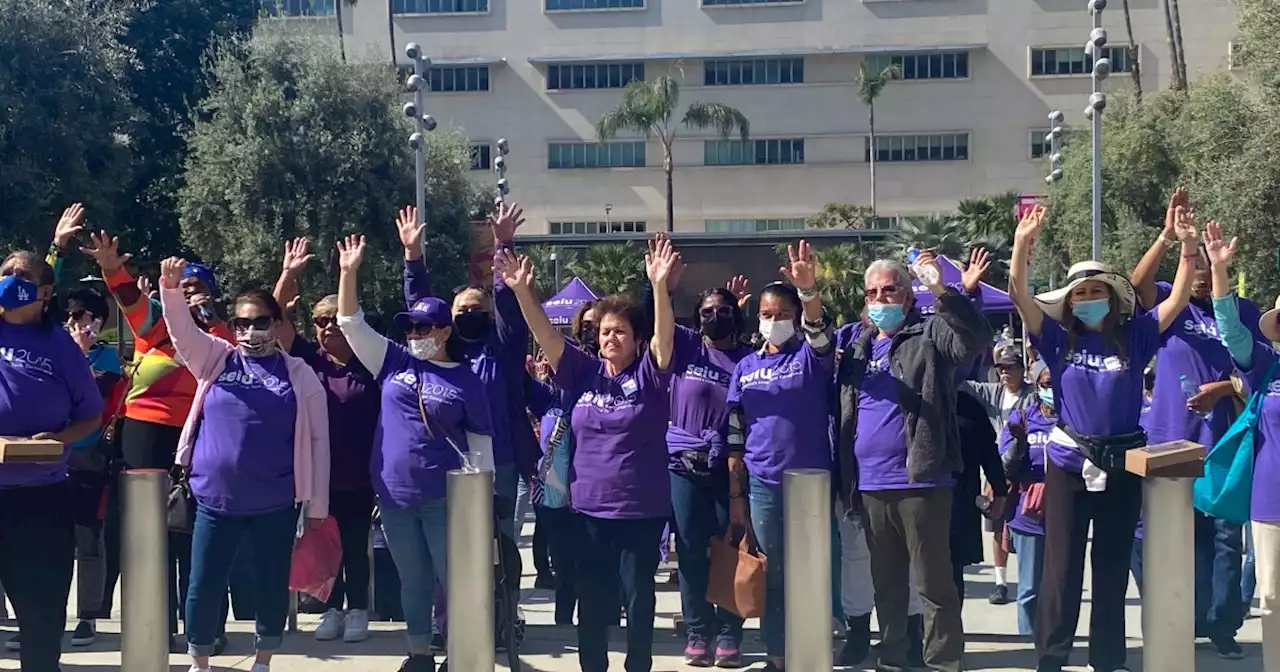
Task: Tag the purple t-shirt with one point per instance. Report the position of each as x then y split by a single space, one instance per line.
45 386
1192 348
242 462
880 441
1264 506
1039 427
409 462
699 396
1098 390
619 425
354 403
785 399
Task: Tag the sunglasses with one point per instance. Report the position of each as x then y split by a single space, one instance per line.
715 311
886 290
78 315
588 326
420 328
323 322
262 322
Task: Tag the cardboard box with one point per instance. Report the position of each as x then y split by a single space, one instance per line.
21 450
1175 459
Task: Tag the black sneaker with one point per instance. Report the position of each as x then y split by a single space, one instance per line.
915 641
1227 648
13 644
857 643
176 645
419 663
438 644
84 634
1000 595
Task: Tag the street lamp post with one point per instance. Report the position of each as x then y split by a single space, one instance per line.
1097 103
500 167
608 221
423 123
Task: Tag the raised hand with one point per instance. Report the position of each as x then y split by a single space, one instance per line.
1221 252
171 270
1032 223
409 229
740 288
979 263
105 250
296 256
516 271
662 263
802 266
351 253
928 259
1177 200
1184 226
504 224
69 225
144 285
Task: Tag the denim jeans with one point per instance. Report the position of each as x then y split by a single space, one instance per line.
1135 565
614 550
1248 575
1218 571
701 505
524 505
417 538
766 521
214 545
1029 550
37 557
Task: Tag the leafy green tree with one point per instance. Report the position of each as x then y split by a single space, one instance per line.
544 267
290 142
65 109
842 216
990 215
871 84
612 268
649 108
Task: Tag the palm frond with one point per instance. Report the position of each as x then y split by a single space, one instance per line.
723 118
871 83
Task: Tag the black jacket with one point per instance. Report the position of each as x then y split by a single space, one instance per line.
981 456
923 359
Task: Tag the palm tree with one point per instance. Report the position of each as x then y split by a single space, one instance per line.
1177 36
870 86
954 237
990 215
842 216
611 269
1135 70
544 269
840 269
391 33
649 108
342 37
1175 48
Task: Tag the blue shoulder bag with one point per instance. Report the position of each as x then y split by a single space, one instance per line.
551 482
1226 488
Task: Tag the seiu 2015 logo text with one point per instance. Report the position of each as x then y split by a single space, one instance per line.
429 390
707 373
1083 359
783 370
602 400
1273 389
1037 438
1201 328
24 358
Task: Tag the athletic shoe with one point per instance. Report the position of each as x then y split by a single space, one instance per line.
696 653
418 663
330 627
84 634
728 655
438 644
1227 648
857 643
356 627
1000 595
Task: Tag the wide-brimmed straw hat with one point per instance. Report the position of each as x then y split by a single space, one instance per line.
1269 323
1054 303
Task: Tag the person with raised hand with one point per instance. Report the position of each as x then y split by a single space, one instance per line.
779 405
434 410
47 392
354 400
1096 343
619 485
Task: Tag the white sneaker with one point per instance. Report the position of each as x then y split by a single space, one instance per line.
193 668
356 627
330 626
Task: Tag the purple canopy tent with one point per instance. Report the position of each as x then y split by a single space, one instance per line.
563 306
993 300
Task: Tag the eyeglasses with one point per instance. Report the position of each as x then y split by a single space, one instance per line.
261 323
715 311
884 290
323 322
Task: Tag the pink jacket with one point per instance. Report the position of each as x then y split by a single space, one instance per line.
205 356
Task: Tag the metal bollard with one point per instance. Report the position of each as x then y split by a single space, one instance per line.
806 495
144 602
469 580
292 625
1168 592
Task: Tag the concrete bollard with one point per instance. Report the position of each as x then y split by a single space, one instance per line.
806 497
469 580
144 602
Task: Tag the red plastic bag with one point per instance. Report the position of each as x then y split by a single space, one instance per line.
317 558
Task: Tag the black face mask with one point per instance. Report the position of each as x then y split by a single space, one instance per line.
590 343
717 327
473 326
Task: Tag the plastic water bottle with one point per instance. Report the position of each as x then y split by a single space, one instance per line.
927 275
1190 389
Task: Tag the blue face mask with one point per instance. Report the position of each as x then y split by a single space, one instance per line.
1046 395
886 316
1091 312
16 292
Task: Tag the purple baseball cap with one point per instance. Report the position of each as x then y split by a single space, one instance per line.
430 311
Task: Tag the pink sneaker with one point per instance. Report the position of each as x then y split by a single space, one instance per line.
696 653
727 654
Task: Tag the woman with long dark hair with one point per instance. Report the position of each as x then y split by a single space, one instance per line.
1095 344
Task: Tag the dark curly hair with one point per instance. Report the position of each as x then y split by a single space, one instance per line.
739 321
622 305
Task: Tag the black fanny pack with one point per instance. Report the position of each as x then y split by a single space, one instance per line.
1107 452
695 462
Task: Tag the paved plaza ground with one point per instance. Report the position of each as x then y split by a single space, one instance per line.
992 642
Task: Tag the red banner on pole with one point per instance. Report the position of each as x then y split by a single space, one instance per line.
1025 203
480 268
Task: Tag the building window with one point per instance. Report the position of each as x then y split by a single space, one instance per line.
753 225
944 65
439 6
627 154
941 147
462 78
885 223
593 75
589 228
753 71
1039 145
735 3
753 152
570 5
299 7
481 156
1073 61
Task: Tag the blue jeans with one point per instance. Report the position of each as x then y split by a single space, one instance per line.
701 505
417 538
523 504
214 543
766 520
1218 571
1030 551
1248 576
614 550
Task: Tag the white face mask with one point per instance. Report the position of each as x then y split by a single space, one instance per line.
256 342
777 332
424 348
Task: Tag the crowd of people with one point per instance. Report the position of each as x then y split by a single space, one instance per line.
926 428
